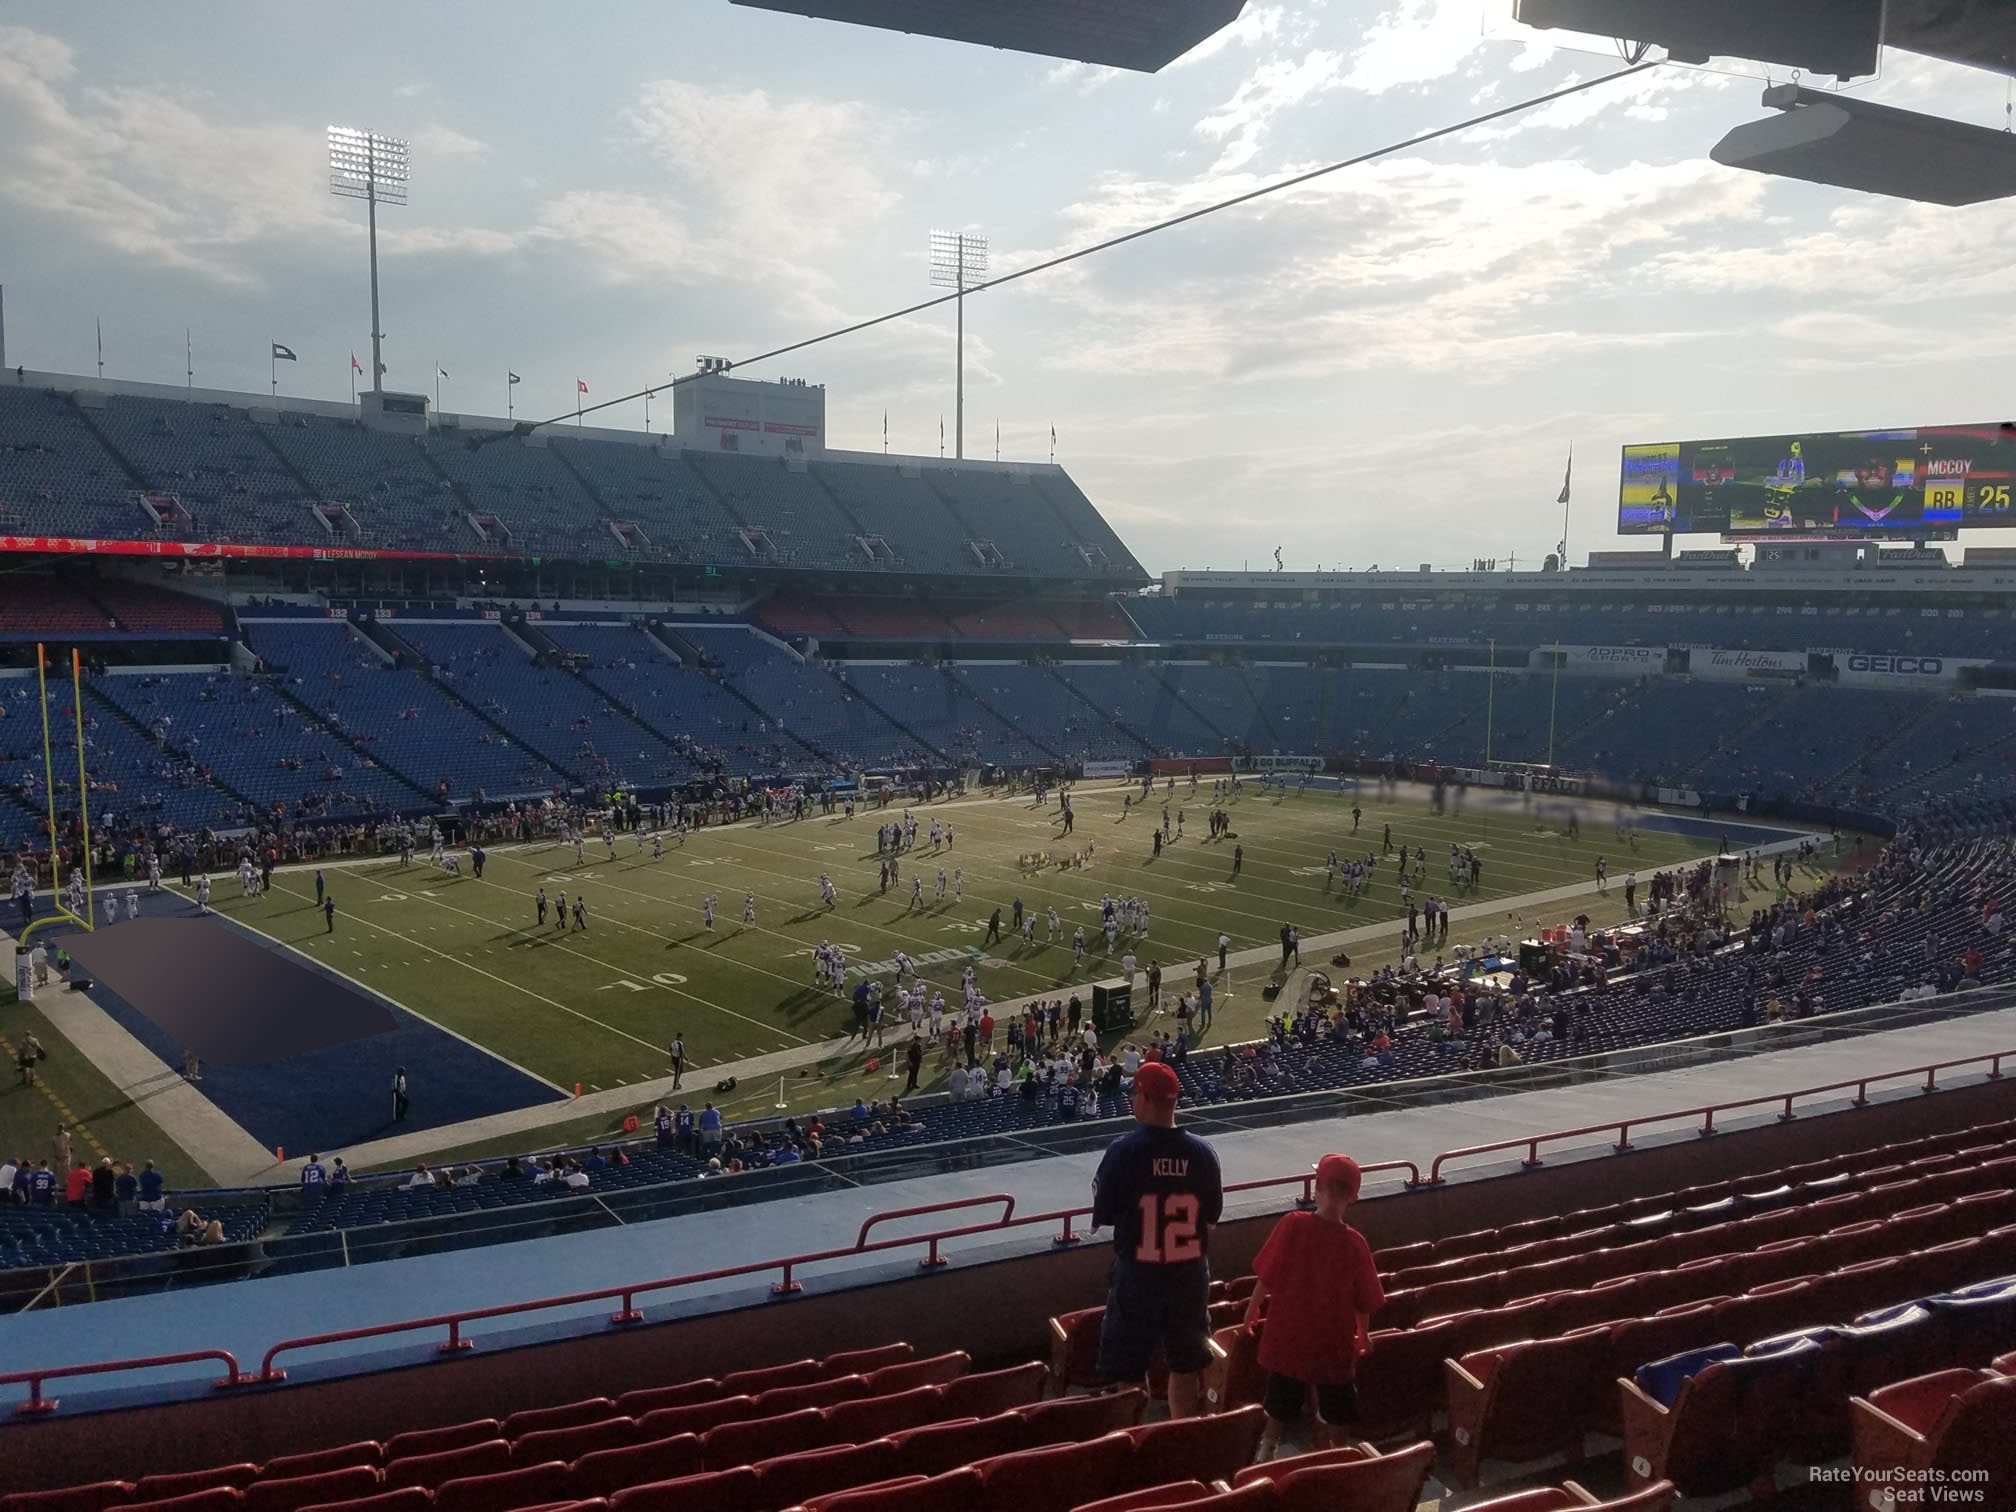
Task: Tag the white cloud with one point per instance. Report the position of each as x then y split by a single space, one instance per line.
438 141
1416 42
1079 78
1256 24
1280 84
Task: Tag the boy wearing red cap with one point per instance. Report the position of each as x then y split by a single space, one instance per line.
1318 1291
1159 1190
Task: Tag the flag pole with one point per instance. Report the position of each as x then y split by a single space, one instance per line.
272 368
1553 700
101 349
188 360
508 414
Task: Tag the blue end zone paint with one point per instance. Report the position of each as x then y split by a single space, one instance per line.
328 1100
1740 835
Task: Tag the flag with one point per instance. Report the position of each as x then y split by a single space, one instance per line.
283 354
513 377
580 387
441 370
1053 435
1567 478
355 365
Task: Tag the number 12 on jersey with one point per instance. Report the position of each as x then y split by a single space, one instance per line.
1168 1229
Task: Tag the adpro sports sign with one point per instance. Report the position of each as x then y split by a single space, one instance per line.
1603 658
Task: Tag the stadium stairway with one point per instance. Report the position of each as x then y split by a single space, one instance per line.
854 690
1726 740
392 644
106 705
1885 738
125 463
965 687
349 741
1112 720
694 655
1175 696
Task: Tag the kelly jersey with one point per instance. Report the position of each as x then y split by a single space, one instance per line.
1159 1190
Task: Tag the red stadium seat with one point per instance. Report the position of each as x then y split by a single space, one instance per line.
878 1416
607 1471
820 1503
1936 1427
431 1470
1066 1419
1774 1308
1199 1448
528 1486
151 1488
569 1444
783 1399
694 1417
315 1461
755 1382
651 1398
569 1415
792 1478
1526 1401
435 1440
956 1491
866 1361
1074 1349
94 1497
1400 1380
935 1371
408 1499
938 1447
735 1490
1151 1498
1728 1425
1057 1478
1381 1483
764 1438
992 1391
1657 1497
216 1499
287 1494
1343 1454
1234 1377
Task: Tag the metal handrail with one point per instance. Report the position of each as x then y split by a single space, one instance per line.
1624 1126
1065 1219
38 1404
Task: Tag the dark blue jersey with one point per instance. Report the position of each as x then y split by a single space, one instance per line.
1160 1190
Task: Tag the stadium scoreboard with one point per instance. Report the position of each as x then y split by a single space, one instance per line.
1926 481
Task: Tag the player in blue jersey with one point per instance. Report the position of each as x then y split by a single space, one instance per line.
1160 1192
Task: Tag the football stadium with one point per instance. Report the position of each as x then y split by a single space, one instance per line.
728 967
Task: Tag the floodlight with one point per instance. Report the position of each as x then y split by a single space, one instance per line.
958 262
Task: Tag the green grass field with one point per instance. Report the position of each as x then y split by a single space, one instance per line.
599 1006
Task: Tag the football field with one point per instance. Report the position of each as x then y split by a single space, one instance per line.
599 1005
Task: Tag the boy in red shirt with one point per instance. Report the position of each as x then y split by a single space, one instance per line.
1318 1290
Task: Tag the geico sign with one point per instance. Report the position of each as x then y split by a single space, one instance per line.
1905 666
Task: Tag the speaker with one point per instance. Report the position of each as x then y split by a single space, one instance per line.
1533 957
1112 1007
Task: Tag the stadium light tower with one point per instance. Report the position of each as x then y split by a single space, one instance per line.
365 165
958 262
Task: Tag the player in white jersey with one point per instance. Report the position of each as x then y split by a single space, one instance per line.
609 842
826 889
707 909
748 908
154 873
1029 927
935 834
203 894
657 845
111 907
958 884
937 1015
939 891
1055 923
913 1009
132 904
1078 945
579 857
1112 934
904 965
916 892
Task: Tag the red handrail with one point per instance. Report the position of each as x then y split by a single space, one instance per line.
787 1284
1624 1126
33 1379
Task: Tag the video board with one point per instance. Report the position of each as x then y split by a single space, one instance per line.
1930 480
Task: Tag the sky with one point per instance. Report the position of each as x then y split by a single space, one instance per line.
1388 366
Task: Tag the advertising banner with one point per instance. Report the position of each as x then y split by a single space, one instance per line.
1108 768
1598 658
1182 766
1906 672
189 551
1742 666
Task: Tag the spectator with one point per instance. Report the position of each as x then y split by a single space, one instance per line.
126 1190
1318 1288
104 1186
77 1186
421 1177
9 1169
153 1189
42 1185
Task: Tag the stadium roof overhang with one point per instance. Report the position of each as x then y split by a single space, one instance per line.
1834 139
1144 35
